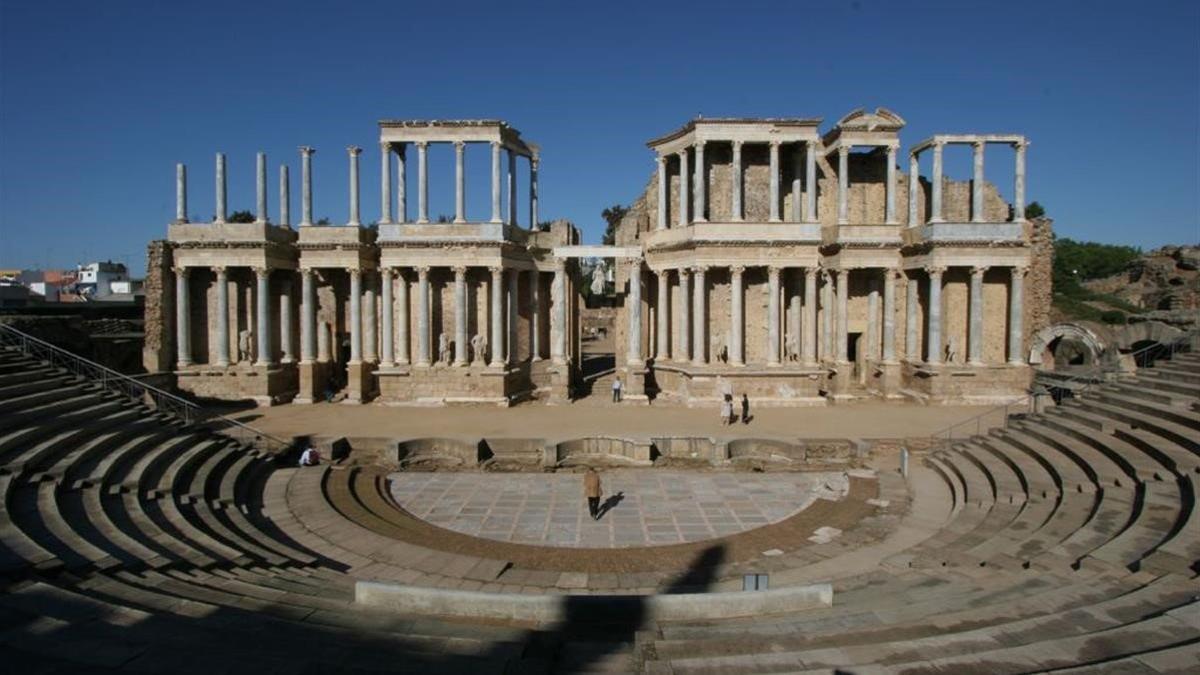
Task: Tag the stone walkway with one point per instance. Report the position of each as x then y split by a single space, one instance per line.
648 507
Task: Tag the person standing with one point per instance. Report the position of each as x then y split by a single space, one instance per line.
616 389
592 491
726 410
745 409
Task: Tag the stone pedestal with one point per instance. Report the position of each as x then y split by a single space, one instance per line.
360 382
633 385
889 380
842 383
561 383
312 379
265 385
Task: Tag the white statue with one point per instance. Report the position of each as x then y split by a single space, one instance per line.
719 350
598 278
479 348
444 348
792 347
952 350
246 345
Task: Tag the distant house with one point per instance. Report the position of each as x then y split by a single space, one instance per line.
96 280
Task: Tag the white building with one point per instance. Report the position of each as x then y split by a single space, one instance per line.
96 279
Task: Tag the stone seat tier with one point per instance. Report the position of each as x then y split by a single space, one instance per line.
1152 378
76 401
27 461
20 551
1067 470
1176 433
15 398
28 432
1109 470
1077 425
1175 409
68 467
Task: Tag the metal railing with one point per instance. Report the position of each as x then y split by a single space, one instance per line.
1084 382
132 388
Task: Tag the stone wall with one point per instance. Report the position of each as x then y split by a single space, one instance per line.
158 351
1039 282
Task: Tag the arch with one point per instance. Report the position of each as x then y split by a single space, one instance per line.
1094 337
1131 336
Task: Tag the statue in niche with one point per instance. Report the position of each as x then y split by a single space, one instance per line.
444 348
791 347
720 351
479 349
246 345
598 278
952 350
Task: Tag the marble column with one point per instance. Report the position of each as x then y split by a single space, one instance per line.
683 188
797 186
534 161
401 343
1019 182
684 350
977 182
460 182
933 351
843 299
460 316
736 213
387 359
635 312
772 316
699 307
512 187
1016 314
262 306
871 338
422 182
222 316
843 185
774 169
222 212
385 183
558 319
663 186
324 340
370 337
793 294
355 315
183 319
889 315
701 186
810 182
423 326
496 182
662 317
912 351
514 297
810 316
285 319
181 193
261 189
737 316
401 183
975 329
497 310
535 315
285 197
914 188
353 151
306 195
308 317
936 216
890 197
827 315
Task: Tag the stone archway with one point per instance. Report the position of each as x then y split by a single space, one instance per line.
1094 340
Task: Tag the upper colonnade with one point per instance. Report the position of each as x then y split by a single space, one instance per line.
880 129
937 143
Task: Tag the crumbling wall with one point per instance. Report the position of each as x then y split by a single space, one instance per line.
158 351
1038 283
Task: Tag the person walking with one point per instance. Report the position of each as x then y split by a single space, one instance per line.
726 410
616 389
592 491
745 409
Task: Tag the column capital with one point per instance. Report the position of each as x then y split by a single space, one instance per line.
737 270
261 271
353 150
220 270
978 144
560 264
843 150
935 269
460 272
893 147
682 153
636 262
683 272
699 145
893 272
979 270
774 270
422 270
385 146
385 269
737 145
1020 270
459 145
938 144
699 269
660 160
181 271
810 272
354 271
421 144
306 151
495 145
496 270
1021 145
775 143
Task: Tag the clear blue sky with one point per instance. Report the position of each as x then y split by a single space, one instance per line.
98 100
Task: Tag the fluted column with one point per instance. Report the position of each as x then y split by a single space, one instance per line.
662 316
701 185
423 316
843 299
422 182
933 351
793 327
699 307
401 183
772 316
684 352
912 301
222 316
306 195
385 183
370 336
285 197
889 315
736 166
181 193
535 315
977 182
810 182
514 297
810 316
975 330
635 311
661 223
285 319
387 360
222 211
1016 313
497 310
871 337
308 317
683 188
261 189
774 168
262 306
512 187
460 183
737 317
558 320
353 151
183 319
496 182
936 216
1019 182
534 161
400 346
843 185
460 316
355 315
914 188
890 203
797 196
827 316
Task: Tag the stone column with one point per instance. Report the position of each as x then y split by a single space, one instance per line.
423 326
797 166
772 316
558 320
662 316
355 315
354 151
535 315
936 217
285 319
497 310
460 183
401 342
793 327
736 167
261 189
222 316
774 181
871 338
977 183
385 183
737 316
843 185
810 316
370 338
262 306
914 188
221 209
1019 182
181 193
684 351
975 329
308 317
1016 314
827 316
324 349
635 312
890 203
912 301
663 186
306 204
701 185
387 359
496 182
183 319
401 183
683 188
460 316
533 191
285 197
512 187
700 332
514 297
422 182
843 299
889 315
810 182
933 351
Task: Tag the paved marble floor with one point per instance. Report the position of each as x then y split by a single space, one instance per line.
648 507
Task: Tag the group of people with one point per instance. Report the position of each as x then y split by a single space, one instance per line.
728 415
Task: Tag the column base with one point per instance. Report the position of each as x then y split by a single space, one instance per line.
313 377
360 382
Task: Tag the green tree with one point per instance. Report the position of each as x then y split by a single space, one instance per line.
1034 210
240 217
613 215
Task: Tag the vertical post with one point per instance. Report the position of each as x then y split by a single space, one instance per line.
975 337
423 316
810 182
221 209
262 305
684 353
535 315
355 315
222 316
797 169
827 315
772 316
401 183
354 151
737 316
460 183
285 197
387 359
422 182
400 344
261 189
774 168
843 185
933 352
914 188
661 223
370 338
514 296
460 316
285 319
810 316
558 322
308 319
385 183
662 315
843 298
181 193
183 319
700 330
1019 182
977 182
871 338
912 302
701 185
512 187
793 327
635 312
306 195
1016 313
936 217
889 315
534 160
496 182
736 209
683 188
497 310
890 204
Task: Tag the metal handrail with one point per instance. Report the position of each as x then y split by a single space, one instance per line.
1089 379
132 388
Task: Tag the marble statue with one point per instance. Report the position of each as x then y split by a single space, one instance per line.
598 280
792 347
245 345
479 348
952 350
444 348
